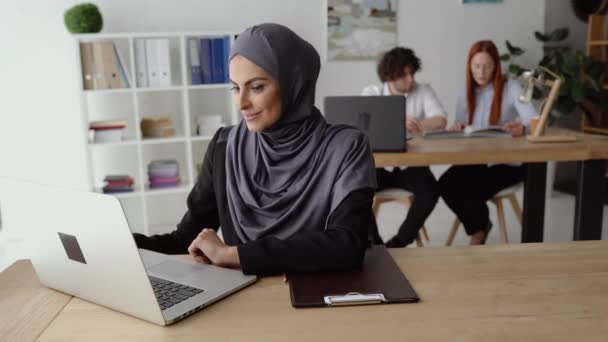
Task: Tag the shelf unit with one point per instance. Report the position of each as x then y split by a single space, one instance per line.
597 47
152 211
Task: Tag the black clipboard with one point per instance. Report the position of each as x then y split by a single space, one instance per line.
378 281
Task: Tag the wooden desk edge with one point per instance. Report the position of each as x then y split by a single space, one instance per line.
48 305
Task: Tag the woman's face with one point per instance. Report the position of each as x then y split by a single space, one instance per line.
482 68
255 93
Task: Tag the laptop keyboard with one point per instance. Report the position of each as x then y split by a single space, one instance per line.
169 293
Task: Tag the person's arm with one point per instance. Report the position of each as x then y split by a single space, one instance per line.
202 213
461 114
434 114
433 124
525 111
371 90
340 247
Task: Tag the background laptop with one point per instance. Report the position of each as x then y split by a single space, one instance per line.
82 245
381 118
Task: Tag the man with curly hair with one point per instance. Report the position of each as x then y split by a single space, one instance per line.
424 112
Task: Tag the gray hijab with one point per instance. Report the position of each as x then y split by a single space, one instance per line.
289 178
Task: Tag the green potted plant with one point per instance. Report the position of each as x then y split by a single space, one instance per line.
582 76
83 18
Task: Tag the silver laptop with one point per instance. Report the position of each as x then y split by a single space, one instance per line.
81 244
381 118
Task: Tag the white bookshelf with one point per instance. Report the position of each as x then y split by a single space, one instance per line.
152 211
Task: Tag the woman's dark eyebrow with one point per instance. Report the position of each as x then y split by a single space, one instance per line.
252 80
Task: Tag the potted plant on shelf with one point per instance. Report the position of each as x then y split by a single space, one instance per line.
83 18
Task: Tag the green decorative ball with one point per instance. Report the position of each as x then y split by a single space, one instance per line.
83 18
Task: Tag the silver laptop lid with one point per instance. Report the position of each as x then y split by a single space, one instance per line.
381 118
81 245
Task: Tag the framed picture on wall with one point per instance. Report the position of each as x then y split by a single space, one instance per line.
360 29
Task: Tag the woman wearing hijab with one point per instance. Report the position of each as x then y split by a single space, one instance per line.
290 192
487 100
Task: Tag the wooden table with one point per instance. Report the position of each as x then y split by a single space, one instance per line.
26 306
590 153
526 292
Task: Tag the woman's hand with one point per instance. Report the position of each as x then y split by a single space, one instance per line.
515 128
456 127
413 125
210 249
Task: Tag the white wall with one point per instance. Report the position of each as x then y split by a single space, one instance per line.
441 33
558 13
41 136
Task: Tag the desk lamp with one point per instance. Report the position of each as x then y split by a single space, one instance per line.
537 77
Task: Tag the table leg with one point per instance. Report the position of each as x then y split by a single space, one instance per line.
589 205
534 202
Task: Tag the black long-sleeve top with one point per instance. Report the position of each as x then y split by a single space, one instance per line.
341 246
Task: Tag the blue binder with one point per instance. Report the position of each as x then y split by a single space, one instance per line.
217 67
206 61
226 45
194 49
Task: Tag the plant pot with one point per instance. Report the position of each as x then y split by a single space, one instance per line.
583 8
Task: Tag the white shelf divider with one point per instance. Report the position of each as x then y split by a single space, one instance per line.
186 106
183 187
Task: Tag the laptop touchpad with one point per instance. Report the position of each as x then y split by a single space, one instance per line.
174 269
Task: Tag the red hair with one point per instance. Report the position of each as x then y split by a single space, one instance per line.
488 47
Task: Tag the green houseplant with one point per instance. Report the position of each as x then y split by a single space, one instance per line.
582 76
83 18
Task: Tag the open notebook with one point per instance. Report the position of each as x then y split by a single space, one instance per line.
469 132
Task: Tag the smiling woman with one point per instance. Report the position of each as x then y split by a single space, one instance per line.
256 94
290 192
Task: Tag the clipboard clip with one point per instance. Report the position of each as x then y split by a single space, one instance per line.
354 298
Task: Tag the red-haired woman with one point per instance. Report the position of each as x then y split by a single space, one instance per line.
487 100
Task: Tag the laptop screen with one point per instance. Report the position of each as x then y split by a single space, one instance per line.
381 118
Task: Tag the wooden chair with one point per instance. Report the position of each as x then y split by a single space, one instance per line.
508 193
401 196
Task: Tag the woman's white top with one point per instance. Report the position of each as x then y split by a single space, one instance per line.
512 108
421 103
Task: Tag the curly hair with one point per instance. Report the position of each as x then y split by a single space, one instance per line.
392 63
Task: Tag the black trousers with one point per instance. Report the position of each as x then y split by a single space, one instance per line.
419 181
467 188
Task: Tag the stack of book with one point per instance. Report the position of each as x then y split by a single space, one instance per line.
107 131
163 173
209 60
161 127
117 184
